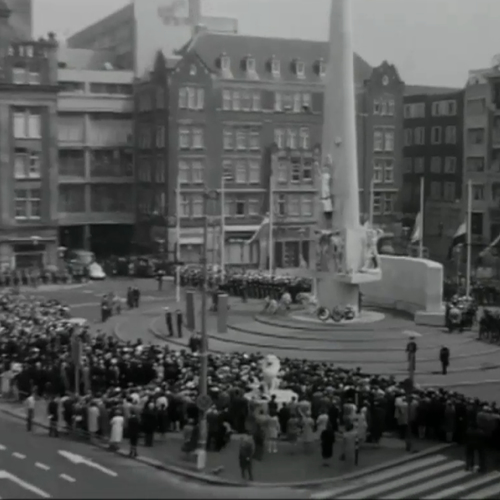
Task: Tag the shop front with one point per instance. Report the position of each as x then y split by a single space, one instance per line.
293 246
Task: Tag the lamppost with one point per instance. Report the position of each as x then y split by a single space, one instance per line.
172 220
203 398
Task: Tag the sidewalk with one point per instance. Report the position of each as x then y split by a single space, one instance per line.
289 465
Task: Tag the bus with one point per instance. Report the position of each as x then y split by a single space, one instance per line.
83 262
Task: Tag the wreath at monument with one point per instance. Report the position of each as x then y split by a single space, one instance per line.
337 314
323 314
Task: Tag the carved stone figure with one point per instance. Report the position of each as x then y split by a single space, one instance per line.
371 262
326 186
270 366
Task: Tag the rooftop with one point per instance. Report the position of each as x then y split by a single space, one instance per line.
84 59
413 90
211 46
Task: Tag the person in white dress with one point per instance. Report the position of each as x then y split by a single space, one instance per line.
93 419
362 425
117 423
321 422
273 429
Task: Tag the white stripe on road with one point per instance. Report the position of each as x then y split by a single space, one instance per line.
455 490
18 455
2 447
67 478
42 466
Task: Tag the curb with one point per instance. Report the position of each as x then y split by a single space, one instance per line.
53 288
216 481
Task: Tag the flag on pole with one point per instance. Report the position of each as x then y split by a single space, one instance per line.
459 238
417 229
261 230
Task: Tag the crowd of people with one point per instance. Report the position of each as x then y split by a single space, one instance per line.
135 391
33 277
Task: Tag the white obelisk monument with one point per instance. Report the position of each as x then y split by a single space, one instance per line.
346 254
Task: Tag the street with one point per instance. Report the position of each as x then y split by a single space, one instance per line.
36 466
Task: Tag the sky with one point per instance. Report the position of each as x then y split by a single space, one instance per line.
431 42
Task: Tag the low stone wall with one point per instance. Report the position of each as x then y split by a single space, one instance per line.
411 285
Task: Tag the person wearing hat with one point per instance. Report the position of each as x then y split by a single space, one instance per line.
169 322
444 358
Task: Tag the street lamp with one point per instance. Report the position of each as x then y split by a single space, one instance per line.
208 195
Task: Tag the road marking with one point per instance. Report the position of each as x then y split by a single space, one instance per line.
2 447
19 455
67 478
23 484
42 466
78 459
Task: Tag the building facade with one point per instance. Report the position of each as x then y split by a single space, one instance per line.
28 173
96 206
238 110
433 146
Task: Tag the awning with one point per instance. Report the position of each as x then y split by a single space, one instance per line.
240 235
191 240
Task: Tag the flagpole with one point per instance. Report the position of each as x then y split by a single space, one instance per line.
223 226
271 222
468 229
178 240
422 206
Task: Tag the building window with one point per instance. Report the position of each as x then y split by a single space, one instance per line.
436 135
478 192
475 136
293 205
419 135
184 172
300 68
296 171
389 172
297 102
444 108
71 162
476 226
377 203
282 176
307 205
306 101
160 136
495 192
414 110
278 101
391 107
254 171
184 206
236 101
240 207
241 172
250 64
388 200
200 98
27 124
246 100
228 139
476 106
451 135
408 135
378 171
279 137
27 165
253 207
305 139
226 100
198 141
28 204
378 140
450 165
291 138
389 140
184 138
436 165
475 164
191 94
256 101
71 198
376 107
197 172
307 167
241 140
254 140
419 165
197 205
275 67
435 190
408 165
160 170
280 205
225 63
449 191
183 98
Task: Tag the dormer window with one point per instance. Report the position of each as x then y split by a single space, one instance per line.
250 64
300 68
321 67
275 67
225 62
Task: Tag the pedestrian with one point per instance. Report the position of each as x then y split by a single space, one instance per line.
117 423
273 429
159 278
327 438
474 441
93 420
246 454
168 321
134 428
179 323
53 414
444 358
30 410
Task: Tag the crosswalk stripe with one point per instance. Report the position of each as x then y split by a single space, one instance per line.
487 492
397 483
382 476
455 490
429 485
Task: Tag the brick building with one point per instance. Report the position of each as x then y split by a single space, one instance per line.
28 173
237 108
95 173
433 121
